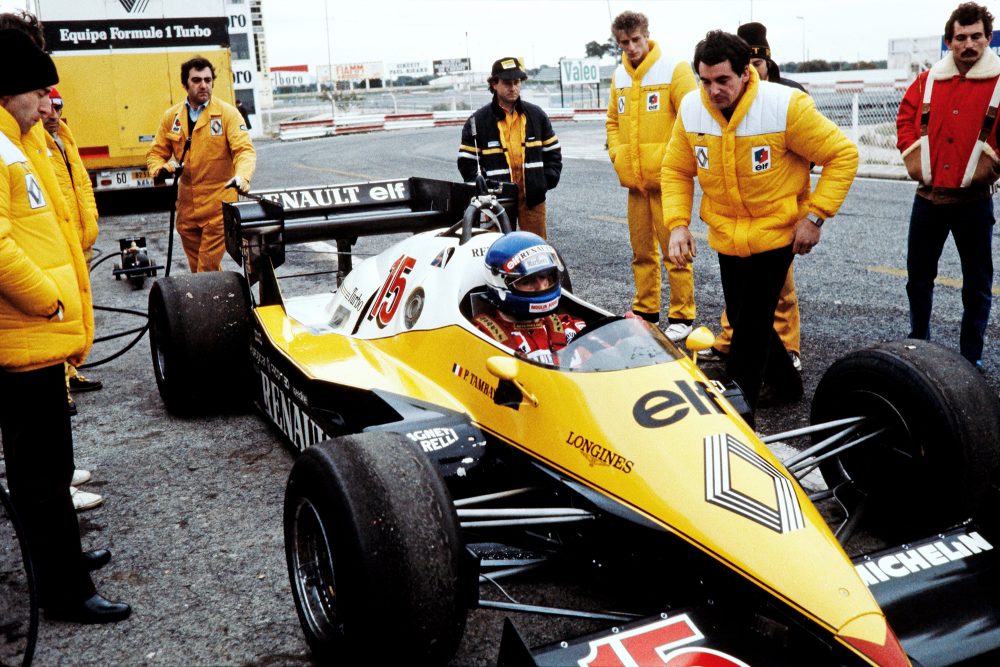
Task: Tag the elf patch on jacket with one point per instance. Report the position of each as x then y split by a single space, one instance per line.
542 153
82 207
41 261
959 148
641 114
754 168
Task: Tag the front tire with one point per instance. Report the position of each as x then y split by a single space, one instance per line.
199 338
931 466
374 558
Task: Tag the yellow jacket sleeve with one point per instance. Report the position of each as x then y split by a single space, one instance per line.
677 178
816 138
162 149
243 152
22 282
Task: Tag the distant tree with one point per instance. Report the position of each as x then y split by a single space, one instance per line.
814 66
599 50
835 66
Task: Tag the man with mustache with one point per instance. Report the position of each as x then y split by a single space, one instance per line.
946 131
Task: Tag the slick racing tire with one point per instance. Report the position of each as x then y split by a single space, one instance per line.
374 557
931 466
199 338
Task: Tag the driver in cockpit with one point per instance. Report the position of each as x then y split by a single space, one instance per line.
522 280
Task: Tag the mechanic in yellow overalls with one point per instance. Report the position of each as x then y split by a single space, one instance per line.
646 91
209 137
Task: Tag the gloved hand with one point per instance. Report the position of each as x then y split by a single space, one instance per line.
238 183
169 168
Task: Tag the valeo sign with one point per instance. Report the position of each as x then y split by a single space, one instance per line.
576 72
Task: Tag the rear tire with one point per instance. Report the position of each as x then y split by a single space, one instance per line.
374 558
930 469
199 338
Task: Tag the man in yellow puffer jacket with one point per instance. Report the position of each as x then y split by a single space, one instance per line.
210 138
74 182
750 143
646 91
45 320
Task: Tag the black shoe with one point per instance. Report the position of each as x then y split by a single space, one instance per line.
81 383
94 609
72 406
96 559
772 396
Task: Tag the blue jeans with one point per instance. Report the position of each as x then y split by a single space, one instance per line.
971 225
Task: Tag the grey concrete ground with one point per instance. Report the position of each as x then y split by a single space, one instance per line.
193 506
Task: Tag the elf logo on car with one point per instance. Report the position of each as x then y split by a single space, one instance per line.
660 643
433 439
288 416
337 196
924 557
663 407
391 294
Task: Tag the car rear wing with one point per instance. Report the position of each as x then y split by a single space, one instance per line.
262 224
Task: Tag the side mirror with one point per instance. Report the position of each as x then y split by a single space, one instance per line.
700 339
505 368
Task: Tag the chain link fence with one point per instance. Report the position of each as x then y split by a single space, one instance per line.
866 112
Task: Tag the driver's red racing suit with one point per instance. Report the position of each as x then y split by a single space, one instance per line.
538 339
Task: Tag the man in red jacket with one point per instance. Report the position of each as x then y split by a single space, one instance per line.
946 131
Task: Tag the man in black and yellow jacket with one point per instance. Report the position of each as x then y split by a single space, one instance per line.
749 143
510 140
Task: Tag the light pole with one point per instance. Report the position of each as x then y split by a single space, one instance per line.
329 64
803 19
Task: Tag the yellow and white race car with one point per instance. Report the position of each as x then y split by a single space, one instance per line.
435 462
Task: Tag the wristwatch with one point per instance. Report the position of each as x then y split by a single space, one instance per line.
815 219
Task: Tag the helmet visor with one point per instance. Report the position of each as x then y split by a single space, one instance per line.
534 283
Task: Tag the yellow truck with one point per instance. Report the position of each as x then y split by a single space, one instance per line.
119 67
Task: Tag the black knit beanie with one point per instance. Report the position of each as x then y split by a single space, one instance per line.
755 34
26 67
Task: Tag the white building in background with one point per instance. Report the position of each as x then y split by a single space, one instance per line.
914 54
265 96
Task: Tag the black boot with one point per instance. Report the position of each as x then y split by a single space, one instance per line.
94 609
96 559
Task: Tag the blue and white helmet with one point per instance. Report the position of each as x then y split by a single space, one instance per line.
511 260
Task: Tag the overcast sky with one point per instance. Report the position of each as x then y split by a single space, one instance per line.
542 31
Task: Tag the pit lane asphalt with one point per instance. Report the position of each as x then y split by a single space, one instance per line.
193 506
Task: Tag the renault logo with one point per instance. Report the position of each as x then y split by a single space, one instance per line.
740 480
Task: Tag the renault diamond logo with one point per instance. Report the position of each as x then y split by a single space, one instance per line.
740 480
701 155
134 6
35 197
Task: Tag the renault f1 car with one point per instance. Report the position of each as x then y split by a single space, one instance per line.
437 464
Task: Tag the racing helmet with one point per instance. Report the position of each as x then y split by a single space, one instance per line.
516 264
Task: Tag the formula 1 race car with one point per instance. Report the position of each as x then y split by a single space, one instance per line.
436 462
